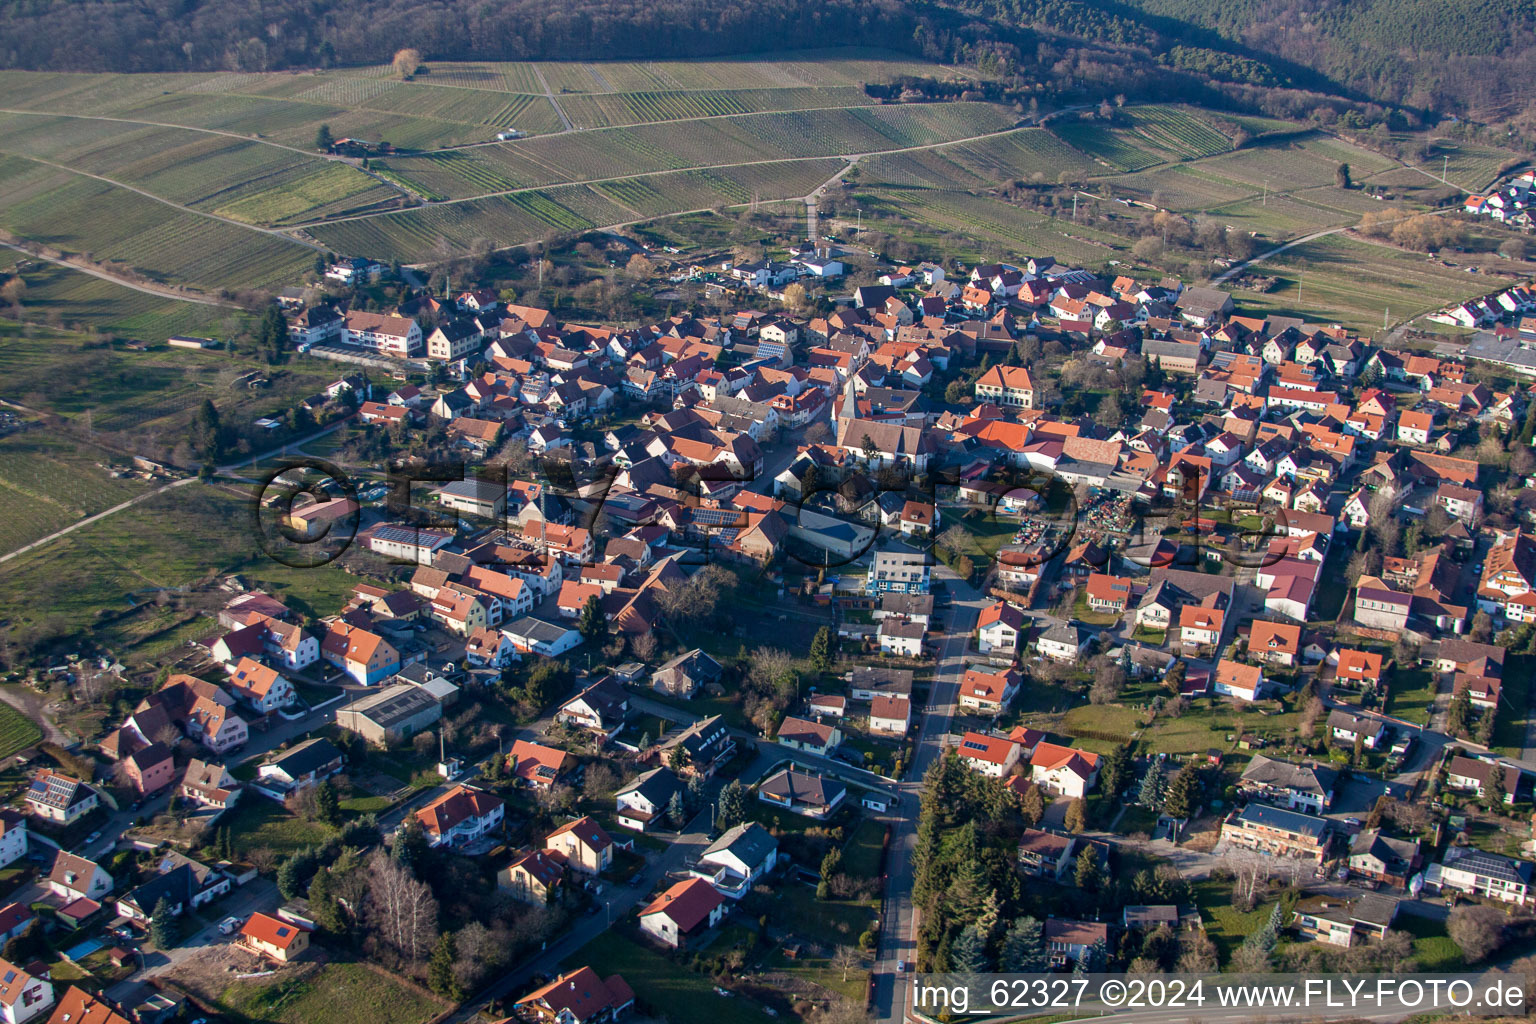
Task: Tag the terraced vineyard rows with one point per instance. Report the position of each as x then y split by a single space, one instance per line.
245 181
1177 132
413 235
599 109
82 215
83 301
470 106
1470 166
1114 150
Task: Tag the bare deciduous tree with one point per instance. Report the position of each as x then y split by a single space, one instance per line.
400 908
1479 931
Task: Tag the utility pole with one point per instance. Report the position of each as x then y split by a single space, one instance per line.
1445 167
1266 193
1074 206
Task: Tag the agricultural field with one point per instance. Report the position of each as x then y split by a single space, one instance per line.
329 994
241 180
79 215
1341 279
174 540
517 217
17 731
80 302
598 110
1468 165
47 483
993 228
1143 136
152 392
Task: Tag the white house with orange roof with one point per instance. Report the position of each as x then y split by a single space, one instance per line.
989 693
274 938
22 995
999 628
1008 386
461 815
1234 679
260 686
1357 668
1064 771
684 911
992 756
1274 643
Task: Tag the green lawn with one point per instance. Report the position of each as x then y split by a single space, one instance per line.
661 986
861 854
258 822
1204 727
16 731
339 993
1226 926
830 922
1431 946
1515 709
1411 694
1102 721
1083 613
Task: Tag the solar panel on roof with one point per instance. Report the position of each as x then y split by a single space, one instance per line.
10 976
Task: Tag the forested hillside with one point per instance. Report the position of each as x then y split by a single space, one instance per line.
1474 58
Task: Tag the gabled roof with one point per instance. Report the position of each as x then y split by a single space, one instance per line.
585 829
272 931
688 903
749 842
458 805
1052 756
989 749
581 995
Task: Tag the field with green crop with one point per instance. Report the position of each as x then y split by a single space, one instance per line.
175 539
519 216
17 731
1465 164
1139 137
984 227
63 373
1344 280
108 223
234 178
78 301
46 483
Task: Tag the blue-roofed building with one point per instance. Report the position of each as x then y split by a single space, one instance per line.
1278 832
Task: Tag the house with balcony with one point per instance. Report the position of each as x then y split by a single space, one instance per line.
580 997
1277 832
585 846
461 816
1489 875
901 572
1044 854
999 628
743 856
642 804
1298 787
